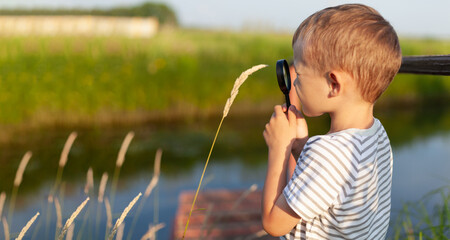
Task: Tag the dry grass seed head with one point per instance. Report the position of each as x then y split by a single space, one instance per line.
2 202
102 187
27 226
5 228
108 213
152 229
69 235
123 149
72 218
119 235
23 164
66 149
156 171
58 213
237 84
89 187
123 215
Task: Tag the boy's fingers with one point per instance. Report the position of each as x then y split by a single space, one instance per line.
284 107
278 110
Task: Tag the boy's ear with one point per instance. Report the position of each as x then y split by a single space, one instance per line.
334 83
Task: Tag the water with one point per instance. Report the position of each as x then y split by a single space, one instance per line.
420 140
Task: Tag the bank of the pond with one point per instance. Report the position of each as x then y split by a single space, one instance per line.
177 74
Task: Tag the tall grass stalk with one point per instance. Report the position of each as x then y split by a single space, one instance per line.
17 181
2 202
101 194
72 218
58 216
27 226
120 160
62 163
89 187
152 229
86 220
69 234
108 216
239 81
148 191
119 235
123 215
5 228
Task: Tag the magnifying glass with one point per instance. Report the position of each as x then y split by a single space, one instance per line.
284 79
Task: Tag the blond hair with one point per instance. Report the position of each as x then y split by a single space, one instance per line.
353 38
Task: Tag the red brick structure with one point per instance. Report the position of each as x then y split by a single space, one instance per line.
220 214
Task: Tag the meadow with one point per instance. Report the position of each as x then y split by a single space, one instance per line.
177 74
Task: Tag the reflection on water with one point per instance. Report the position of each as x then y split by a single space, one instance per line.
420 140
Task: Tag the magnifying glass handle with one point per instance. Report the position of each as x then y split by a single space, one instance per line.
288 101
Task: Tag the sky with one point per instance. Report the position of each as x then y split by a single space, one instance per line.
416 18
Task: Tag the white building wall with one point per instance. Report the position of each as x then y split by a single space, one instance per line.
138 27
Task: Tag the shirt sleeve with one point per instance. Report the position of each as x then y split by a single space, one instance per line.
318 179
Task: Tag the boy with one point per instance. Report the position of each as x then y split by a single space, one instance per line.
339 188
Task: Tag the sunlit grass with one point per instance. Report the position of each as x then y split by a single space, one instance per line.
82 79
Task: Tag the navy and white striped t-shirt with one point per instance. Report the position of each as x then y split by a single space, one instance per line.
341 186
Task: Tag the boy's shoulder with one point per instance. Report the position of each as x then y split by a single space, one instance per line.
350 143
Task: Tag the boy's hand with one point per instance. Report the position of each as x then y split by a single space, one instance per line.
280 132
285 128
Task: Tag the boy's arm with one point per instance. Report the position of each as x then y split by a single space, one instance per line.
280 134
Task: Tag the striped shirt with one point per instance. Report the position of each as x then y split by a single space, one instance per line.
341 186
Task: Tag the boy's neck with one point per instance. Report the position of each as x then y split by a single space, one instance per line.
358 116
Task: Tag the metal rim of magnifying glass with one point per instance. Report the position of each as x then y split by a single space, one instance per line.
282 64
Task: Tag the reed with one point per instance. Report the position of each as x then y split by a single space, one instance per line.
119 235
2 202
69 234
119 162
108 216
27 226
58 216
239 81
148 191
123 215
101 194
5 228
152 229
62 162
72 218
17 181
89 187
102 187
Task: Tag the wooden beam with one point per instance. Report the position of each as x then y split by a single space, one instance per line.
435 65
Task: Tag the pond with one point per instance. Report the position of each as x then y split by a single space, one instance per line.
420 140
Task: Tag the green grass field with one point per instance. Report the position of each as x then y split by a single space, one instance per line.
178 73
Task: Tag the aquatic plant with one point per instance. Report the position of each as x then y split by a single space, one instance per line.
415 221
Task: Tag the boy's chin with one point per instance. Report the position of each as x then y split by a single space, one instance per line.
311 114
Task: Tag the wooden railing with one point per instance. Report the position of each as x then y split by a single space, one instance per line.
435 65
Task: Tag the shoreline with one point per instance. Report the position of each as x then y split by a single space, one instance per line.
109 119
